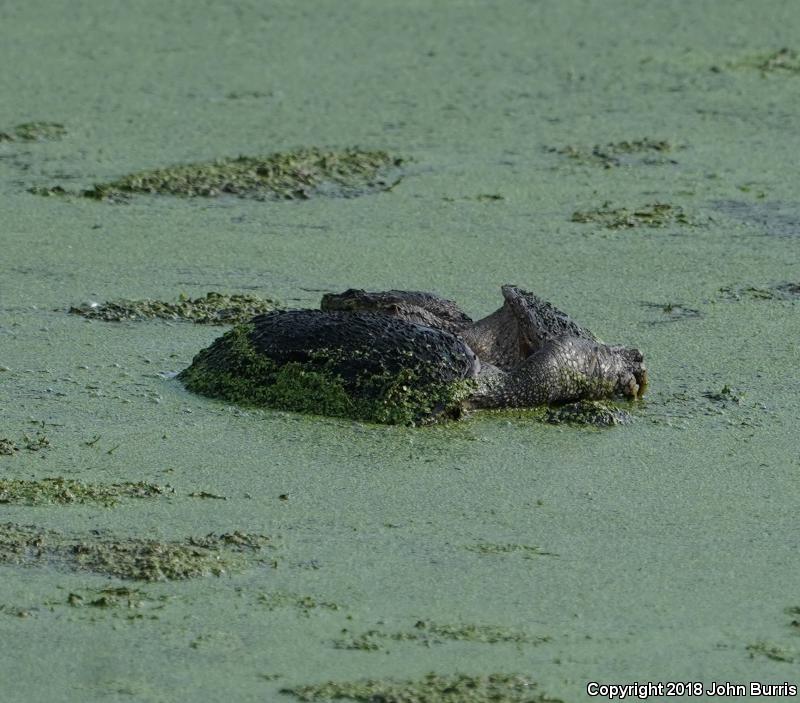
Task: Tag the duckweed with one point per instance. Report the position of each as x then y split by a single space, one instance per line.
778 291
593 413
293 175
231 369
652 215
65 491
527 551
212 309
427 633
127 558
114 597
621 153
34 443
432 688
772 651
34 132
784 60
303 604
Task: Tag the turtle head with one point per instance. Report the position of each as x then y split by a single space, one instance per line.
538 321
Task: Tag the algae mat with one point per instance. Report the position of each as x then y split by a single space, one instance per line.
632 162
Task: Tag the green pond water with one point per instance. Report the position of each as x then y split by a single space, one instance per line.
664 550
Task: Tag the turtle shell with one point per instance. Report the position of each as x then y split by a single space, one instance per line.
360 344
364 365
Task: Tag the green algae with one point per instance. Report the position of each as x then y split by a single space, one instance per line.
34 132
778 291
303 604
782 61
427 632
725 395
292 175
432 688
30 443
212 309
61 491
231 370
773 651
651 215
8 447
128 558
112 597
587 413
491 548
613 154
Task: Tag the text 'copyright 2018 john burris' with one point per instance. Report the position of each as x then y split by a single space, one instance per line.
649 689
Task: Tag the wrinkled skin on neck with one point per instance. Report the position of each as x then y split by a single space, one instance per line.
531 353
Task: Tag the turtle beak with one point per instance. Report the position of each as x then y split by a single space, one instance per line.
643 383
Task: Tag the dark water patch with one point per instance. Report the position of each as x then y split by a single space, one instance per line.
644 151
671 312
432 688
654 215
293 175
34 132
61 491
211 309
128 558
777 291
774 218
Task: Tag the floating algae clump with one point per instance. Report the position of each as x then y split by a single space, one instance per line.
653 215
232 369
34 132
624 153
291 175
212 309
64 491
784 60
127 558
433 688
428 633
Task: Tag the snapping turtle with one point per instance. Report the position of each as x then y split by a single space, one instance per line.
408 357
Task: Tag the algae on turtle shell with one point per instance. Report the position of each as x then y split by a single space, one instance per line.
232 369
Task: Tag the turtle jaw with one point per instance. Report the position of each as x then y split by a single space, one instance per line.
643 383
633 380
